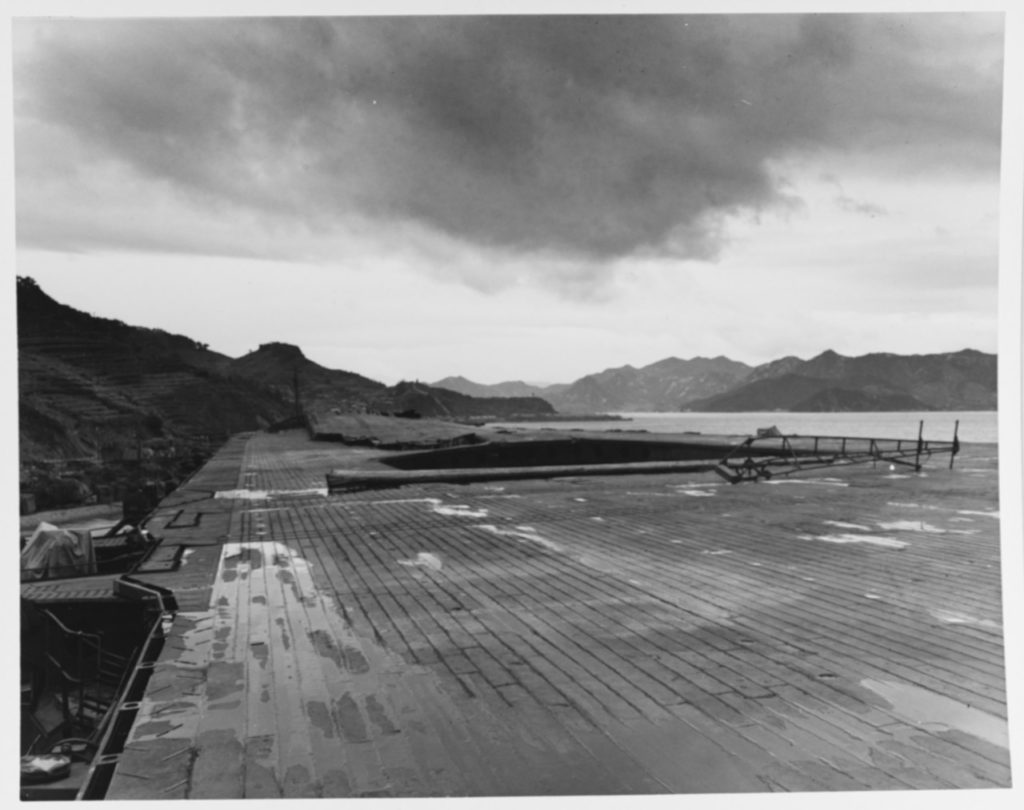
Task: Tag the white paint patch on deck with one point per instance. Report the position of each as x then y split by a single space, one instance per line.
905 505
522 533
993 514
390 501
825 482
953 617
910 526
458 510
179 720
841 525
269 553
934 712
236 637
424 560
436 505
696 493
715 553
267 494
872 539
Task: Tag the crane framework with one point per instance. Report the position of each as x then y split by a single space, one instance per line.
763 457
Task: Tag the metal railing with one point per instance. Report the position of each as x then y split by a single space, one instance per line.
763 457
85 675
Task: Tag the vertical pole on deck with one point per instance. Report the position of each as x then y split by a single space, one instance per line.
956 444
920 444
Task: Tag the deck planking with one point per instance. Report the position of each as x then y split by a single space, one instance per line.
661 634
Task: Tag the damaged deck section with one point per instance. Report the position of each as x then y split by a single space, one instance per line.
666 633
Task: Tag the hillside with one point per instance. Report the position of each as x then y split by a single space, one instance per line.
93 387
964 380
281 367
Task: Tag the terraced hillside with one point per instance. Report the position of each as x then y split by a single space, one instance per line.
101 390
92 386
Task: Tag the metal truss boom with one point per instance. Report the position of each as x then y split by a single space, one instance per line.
763 457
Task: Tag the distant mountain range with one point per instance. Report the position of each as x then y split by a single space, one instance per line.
516 388
964 380
661 386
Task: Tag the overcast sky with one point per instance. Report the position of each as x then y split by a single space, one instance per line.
528 198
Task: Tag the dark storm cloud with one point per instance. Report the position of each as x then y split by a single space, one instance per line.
597 137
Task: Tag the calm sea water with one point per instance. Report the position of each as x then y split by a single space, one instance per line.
975 426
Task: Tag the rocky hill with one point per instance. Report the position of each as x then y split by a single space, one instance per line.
964 380
284 369
100 389
287 371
